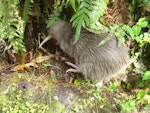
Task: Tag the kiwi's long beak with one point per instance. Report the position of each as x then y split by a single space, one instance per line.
45 40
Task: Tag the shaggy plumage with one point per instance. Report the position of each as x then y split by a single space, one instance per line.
94 62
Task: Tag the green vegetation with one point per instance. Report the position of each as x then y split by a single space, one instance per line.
11 24
15 100
97 16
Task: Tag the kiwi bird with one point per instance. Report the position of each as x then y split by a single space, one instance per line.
94 62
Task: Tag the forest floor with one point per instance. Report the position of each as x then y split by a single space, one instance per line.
41 85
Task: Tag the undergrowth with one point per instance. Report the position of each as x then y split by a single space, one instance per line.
11 24
89 15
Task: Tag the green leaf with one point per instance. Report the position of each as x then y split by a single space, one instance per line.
129 30
76 15
141 84
72 2
78 30
87 14
86 4
85 17
86 11
136 30
142 23
75 22
52 19
104 41
129 105
146 75
141 94
50 22
1 13
25 14
146 37
139 38
78 81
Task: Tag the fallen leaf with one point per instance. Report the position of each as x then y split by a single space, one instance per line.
33 63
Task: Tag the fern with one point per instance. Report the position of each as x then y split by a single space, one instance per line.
87 15
11 25
53 18
58 6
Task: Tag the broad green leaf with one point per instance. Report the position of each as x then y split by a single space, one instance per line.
141 94
146 75
136 30
146 37
142 22
78 81
25 10
139 38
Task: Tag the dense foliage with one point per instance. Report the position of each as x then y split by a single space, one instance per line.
11 24
94 15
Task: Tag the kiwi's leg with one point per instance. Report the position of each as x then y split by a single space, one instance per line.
75 68
72 65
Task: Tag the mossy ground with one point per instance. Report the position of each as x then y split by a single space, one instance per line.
45 90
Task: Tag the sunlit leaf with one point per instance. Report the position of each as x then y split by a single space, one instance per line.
87 15
146 37
141 94
129 105
104 41
142 22
41 59
33 63
78 81
136 30
146 75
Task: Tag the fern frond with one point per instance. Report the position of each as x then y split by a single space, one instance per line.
58 6
88 14
73 4
11 25
53 18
